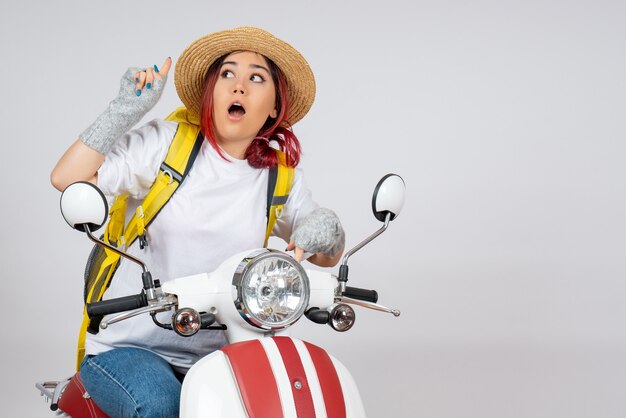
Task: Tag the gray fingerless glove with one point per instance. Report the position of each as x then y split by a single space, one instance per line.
320 232
122 114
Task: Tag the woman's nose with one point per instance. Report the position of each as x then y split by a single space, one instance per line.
238 88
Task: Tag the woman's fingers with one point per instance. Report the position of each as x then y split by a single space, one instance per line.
149 78
140 81
165 68
145 78
136 78
298 254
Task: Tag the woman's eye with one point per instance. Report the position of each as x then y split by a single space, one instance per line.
227 74
257 78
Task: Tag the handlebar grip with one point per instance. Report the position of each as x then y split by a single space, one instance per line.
361 294
126 303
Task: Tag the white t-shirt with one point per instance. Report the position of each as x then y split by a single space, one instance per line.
219 210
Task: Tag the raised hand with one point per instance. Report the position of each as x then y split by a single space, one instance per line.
82 159
128 107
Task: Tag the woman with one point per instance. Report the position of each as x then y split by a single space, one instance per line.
245 88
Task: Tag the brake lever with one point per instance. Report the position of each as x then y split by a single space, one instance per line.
163 304
370 305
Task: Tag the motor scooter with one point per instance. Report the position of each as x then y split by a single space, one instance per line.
255 296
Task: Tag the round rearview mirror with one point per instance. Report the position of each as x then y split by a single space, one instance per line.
388 197
82 204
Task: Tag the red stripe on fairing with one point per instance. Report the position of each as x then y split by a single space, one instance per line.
295 371
255 379
329 382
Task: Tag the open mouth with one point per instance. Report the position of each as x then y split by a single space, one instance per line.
236 110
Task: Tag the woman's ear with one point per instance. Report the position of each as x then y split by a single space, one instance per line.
274 114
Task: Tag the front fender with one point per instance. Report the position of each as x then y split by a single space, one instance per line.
270 377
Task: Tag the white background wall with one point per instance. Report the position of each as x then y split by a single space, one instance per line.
506 119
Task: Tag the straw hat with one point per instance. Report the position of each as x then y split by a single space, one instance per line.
194 62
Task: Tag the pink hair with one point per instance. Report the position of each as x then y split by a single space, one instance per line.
259 153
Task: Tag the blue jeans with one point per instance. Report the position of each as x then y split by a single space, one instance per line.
131 382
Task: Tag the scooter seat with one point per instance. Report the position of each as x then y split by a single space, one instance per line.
76 402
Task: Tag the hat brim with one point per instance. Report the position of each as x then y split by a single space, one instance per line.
196 59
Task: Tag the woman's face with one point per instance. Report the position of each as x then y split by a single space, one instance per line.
243 98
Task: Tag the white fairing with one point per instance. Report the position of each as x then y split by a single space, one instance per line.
322 285
83 203
390 195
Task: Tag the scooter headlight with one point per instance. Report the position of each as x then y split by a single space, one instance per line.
270 290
